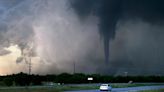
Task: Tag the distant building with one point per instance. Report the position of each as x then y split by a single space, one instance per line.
48 83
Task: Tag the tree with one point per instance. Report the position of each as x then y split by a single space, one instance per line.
8 81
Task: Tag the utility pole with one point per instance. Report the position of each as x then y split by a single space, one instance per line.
30 66
74 67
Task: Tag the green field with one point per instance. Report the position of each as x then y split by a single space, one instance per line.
49 89
61 88
161 90
30 90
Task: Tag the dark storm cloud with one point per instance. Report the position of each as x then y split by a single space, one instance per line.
138 48
3 30
15 26
134 29
110 12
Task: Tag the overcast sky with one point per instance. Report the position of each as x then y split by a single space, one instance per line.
61 35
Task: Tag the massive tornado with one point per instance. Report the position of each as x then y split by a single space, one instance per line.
110 12
107 11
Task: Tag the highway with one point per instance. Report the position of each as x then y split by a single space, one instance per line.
129 89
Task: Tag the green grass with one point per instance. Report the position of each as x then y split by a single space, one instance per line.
132 85
30 90
65 88
49 89
160 90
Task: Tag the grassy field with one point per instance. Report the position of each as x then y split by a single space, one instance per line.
71 87
133 85
161 90
49 89
30 90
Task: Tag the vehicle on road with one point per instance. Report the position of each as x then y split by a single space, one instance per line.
105 87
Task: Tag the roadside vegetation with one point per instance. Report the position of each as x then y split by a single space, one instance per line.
22 79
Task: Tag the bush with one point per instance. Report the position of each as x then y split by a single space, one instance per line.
8 81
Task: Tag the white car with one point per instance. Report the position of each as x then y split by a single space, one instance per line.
105 87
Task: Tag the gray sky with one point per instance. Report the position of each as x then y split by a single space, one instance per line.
59 37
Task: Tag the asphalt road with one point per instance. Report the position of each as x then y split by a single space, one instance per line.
129 89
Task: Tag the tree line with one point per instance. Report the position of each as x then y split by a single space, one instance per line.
23 79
